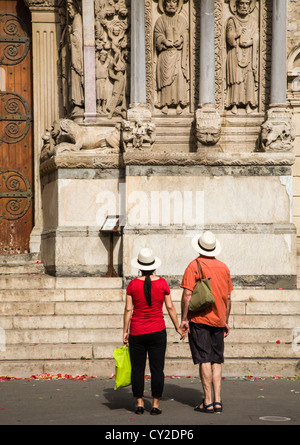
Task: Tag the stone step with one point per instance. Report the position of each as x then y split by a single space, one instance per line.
79 351
21 264
57 307
109 334
51 295
173 367
48 319
43 281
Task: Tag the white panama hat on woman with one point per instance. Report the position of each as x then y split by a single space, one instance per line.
146 260
206 244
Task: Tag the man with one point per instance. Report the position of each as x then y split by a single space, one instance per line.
208 328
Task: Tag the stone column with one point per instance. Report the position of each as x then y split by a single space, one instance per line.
45 21
138 106
207 53
89 60
279 53
278 131
208 121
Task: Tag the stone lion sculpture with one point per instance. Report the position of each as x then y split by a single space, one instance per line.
66 136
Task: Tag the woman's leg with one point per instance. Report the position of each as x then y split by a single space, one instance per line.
157 349
138 356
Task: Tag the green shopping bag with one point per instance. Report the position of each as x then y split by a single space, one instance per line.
123 366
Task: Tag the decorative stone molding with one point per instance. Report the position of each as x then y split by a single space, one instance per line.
82 160
42 4
208 158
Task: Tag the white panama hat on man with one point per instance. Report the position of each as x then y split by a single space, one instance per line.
206 244
146 260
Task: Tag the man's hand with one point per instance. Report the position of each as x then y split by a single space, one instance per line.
226 330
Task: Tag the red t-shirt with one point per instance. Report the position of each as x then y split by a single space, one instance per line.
147 319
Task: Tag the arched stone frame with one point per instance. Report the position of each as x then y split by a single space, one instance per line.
45 29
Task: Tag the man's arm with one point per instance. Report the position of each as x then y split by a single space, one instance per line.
185 299
228 309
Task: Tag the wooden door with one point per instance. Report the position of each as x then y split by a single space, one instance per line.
16 129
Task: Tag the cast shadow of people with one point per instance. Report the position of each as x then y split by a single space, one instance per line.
123 398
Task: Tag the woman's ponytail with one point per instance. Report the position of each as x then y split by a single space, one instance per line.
147 287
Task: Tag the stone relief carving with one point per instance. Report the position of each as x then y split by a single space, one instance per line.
74 66
138 134
208 125
242 64
278 132
66 136
112 53
171 42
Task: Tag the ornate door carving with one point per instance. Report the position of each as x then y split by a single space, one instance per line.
16 141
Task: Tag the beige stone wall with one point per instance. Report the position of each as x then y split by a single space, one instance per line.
293 49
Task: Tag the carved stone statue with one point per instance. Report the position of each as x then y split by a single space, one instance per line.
242 39
171 39
102 68
111 29
138 134
67 136
76 63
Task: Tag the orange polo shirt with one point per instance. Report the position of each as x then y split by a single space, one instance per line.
221 287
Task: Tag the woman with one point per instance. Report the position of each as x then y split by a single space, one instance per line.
143 310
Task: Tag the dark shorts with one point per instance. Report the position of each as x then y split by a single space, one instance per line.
206 343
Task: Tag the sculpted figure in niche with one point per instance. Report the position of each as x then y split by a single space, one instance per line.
111 33
102 68
242 38
76 63
171 39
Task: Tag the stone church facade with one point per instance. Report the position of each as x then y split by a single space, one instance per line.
180 116
176 116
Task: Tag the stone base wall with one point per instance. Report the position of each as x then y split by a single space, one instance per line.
164 204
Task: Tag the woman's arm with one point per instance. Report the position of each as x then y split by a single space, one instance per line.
173 315
127 316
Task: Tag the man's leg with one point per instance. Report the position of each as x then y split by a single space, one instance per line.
216 380
206 380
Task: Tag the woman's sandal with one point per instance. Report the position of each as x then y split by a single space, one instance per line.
220 409
206 408
155 411
139 410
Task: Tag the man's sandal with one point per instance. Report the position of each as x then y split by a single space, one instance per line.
206 408
220 409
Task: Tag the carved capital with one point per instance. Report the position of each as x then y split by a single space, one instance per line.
138 135
42 4
208 125
278 131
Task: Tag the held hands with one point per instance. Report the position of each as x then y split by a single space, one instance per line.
184 328
182 333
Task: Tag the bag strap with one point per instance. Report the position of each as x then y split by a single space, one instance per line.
199 270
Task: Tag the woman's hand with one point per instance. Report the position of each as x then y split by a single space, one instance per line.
125 337
182 333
